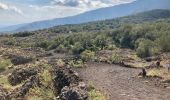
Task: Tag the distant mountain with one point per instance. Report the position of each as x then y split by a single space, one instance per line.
95 15
109 24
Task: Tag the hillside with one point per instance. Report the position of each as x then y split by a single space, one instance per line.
122 58
99 14
147 16
124 32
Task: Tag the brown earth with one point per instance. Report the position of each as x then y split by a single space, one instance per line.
122 83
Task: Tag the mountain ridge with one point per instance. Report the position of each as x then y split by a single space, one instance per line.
99 14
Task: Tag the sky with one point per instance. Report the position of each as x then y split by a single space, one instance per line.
25 11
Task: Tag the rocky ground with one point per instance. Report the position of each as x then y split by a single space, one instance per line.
120 83
33 73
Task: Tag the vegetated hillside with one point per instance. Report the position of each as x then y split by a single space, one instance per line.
39 64
99 14
147 33
148 16
114 23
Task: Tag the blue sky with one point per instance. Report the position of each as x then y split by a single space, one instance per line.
24 11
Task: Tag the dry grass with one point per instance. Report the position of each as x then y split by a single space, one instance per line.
4 64
42 93
95 94
162 72
4 82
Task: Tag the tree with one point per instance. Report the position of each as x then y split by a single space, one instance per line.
77 48
164 43
147 48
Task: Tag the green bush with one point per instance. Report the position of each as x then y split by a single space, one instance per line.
102 41
87 55
95 94
23 34
43 44
147 48
61 49
56 42
116 58
76 63
164 43
77 48
10 41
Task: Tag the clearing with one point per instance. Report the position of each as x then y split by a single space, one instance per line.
120 83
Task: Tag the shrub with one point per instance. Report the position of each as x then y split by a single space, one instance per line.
126 40
60 63
77 48
102 41
76 63
147 48
23 34
56 42
95 94
164 43
115 58
43 44
87 55
10 41
40 93
61 49
46 78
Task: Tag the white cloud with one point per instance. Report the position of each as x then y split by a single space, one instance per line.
24 11
10 8
90 4
55 11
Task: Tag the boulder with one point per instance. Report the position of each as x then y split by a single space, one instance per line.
17 60
74 92
143 73
64 77
20 92
19 75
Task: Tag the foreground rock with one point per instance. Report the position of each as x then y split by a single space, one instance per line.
74 92
20 92
68 85
19 75
64 77
17 60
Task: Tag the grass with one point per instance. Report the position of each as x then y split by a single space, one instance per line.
40 93
95 94
76 63
154 73
88 55
4 82
45 92
4 63
116 58
60 63
162 72
46 78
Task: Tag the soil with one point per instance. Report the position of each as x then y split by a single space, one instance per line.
122 83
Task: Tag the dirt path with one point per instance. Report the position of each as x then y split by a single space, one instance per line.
121 83
59 55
